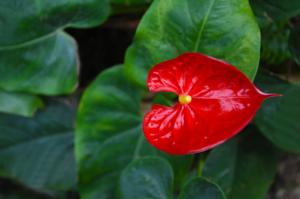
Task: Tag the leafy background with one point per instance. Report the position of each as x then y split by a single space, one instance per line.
72 96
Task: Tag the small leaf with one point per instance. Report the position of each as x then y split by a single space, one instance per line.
172 27
26 20
147 178
200 188
38 151
243 167
278 118
215 101
48 66
19 103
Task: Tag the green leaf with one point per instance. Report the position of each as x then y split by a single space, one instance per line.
244 168
147 178
47 66
19 103
294 44
276 9
26 20
278 118
109 135
172 27
275 37
200 188
38 152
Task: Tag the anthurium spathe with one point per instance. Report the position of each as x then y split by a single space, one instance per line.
215 101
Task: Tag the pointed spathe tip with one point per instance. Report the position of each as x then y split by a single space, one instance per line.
269 95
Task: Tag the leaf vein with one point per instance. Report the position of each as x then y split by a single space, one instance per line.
197 44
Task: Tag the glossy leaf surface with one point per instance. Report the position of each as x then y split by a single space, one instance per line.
172 27
19 103
38 151
223 101
48 66
200 188
147 178
109 135
278 118
244 167
26 20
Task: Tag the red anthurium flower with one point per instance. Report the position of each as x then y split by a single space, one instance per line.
215 101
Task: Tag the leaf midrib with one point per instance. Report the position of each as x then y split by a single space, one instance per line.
198 40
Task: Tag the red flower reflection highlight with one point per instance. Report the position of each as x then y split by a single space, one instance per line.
215 101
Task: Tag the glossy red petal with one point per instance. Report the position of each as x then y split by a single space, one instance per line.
164 127
224 100
173 75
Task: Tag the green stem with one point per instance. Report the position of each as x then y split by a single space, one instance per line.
200 165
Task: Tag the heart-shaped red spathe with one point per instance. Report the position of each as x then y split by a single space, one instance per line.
216 101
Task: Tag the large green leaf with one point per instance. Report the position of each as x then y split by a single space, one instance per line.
278 118
38 152
109 136
244 168
147 178
26 20
47 66
200 188
225 29
276 9
19 103
294 44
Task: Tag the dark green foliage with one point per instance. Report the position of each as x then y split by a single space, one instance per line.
244 167
147 178
39 62
200 188
39 151
278 119
294 44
